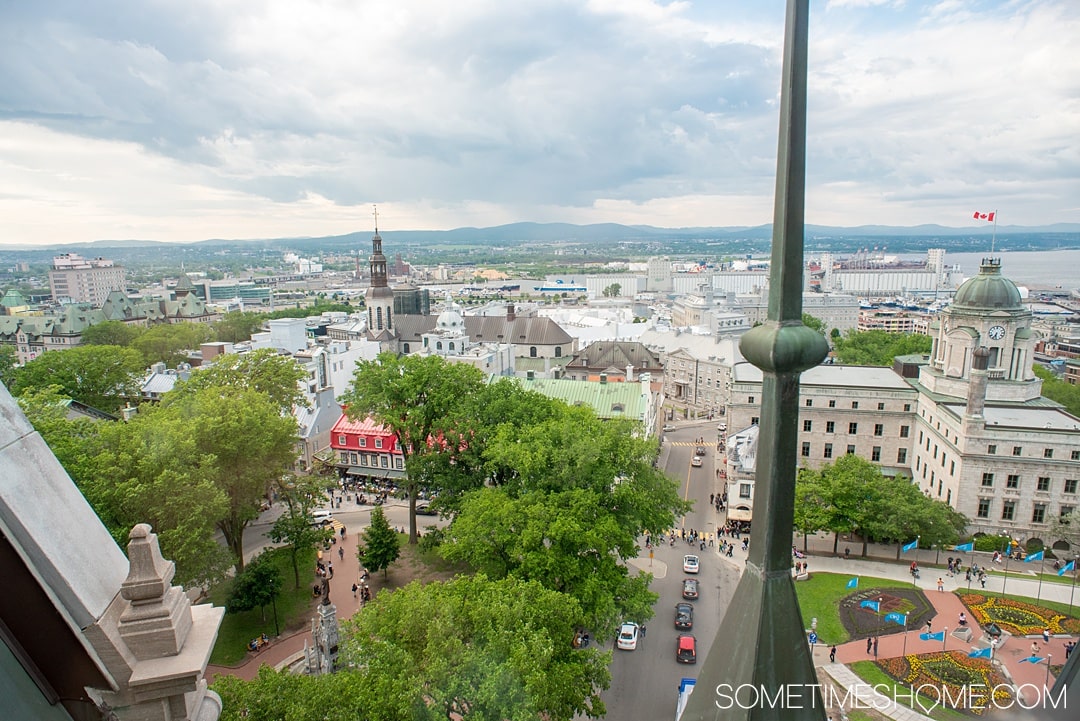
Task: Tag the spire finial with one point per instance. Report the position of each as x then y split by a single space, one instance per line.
376 218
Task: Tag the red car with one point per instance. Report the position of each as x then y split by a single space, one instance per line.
686 648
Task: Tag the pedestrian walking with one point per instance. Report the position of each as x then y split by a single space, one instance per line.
929 626
355 588
875 646
1034 648
832 654
1069 649
1046 635
940 585
963 619
869 644
341 553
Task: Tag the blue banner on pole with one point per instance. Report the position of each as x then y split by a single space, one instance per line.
981 653
970 546
1066 568
939 636
1032 659
853 582
1037 556
900 618
910 546
872 605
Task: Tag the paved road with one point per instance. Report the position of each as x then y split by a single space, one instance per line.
644 684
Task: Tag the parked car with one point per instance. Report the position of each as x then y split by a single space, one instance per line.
686 648
696 462
424 509
690 564
690 588
668 428
628 636
684 616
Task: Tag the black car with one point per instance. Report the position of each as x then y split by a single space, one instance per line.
684 616
699 451
424 509
690 588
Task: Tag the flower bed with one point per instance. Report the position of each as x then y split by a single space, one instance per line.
860 622
950 676
1017 617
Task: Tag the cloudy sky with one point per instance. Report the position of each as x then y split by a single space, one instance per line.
201 119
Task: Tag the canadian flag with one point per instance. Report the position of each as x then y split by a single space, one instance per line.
988 217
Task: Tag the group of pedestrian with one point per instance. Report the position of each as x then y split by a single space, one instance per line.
955 565
872 645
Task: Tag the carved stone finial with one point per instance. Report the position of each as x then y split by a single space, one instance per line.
149 575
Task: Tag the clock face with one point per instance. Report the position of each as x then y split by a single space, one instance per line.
996 332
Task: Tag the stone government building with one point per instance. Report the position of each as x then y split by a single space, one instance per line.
967 423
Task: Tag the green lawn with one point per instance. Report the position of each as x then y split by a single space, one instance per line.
869 672
237 629
819 598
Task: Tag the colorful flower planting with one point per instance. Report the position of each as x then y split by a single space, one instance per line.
952 679
861 622
1017 617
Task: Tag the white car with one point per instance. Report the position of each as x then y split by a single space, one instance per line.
690 564
628 636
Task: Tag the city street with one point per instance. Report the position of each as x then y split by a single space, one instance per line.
644 683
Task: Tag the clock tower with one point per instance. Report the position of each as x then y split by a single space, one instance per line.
987 312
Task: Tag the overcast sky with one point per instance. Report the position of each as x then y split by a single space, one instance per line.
199 119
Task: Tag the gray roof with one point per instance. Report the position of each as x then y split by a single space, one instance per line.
617 354
834 375
485 329
1024 417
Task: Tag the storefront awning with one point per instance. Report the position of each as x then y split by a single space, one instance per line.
740 513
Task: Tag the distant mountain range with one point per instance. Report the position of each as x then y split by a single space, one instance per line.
1046 236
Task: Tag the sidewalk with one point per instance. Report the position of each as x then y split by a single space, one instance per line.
288 648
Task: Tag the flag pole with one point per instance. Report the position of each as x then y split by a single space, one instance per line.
944 636
993 237
1038 595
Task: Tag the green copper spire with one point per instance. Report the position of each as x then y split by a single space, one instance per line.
761 646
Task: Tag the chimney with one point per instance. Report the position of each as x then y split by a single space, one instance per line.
629 372
510 315
976 399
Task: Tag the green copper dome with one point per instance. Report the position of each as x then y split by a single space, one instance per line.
989 290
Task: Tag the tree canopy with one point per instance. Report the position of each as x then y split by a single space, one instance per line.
103 376
168 342
1059 390
264 371
420 399
878 347
853 496
486 649
572 496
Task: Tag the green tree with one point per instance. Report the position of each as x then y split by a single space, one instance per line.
257 586
572 495
1059 390
381 547
241 443
8 360
103 376
612 291
265 371
168 342
138 472
237 326
294 527
811 504
111 332
419 400
486 650
878 347
813 323
345 695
